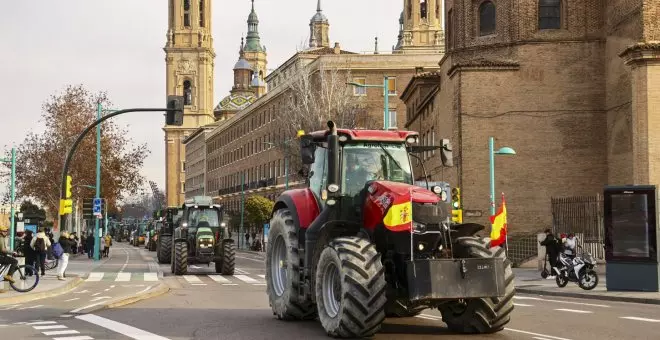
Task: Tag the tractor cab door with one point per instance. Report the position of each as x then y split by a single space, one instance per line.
318 175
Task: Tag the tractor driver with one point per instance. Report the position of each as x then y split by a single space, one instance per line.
359 170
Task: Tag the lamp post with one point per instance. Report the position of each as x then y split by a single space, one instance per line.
491 155
99 115
386 94
242 208
12 228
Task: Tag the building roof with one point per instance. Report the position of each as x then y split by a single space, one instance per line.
423 77
236 102
367 135
242 64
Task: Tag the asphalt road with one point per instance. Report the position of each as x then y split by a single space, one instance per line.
204 305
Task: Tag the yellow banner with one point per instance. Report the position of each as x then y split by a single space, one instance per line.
398 215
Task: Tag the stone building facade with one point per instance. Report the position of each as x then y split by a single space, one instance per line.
195 165
571 85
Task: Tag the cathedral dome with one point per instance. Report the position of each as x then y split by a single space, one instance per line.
236 102
319 17
242 64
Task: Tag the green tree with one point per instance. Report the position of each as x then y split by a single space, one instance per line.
258 209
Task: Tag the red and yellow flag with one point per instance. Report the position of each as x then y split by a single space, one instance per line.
399 215
499 224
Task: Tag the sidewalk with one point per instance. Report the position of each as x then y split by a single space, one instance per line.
79 267
529 281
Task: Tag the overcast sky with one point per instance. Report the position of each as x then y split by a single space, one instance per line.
117 46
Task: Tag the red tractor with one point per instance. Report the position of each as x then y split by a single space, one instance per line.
362 242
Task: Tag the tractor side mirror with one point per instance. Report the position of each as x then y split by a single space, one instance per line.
307 149
446 153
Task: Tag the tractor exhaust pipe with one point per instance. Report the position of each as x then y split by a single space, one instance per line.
333 156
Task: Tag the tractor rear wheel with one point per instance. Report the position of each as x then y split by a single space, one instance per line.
283 270
180 260
350 288
226 265
484 315
164 249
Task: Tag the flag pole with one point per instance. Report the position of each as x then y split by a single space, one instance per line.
506 233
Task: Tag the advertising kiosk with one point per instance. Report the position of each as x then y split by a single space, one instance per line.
631 238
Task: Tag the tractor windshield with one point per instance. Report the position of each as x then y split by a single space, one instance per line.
203 217
364 162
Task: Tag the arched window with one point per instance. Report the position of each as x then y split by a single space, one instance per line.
187 93
423 8
186 13
487 23
549 14
201 13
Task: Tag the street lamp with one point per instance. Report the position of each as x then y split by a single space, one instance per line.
491 154
386 90
12 184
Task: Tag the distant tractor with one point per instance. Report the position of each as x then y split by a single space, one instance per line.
202 236
164 234
363 242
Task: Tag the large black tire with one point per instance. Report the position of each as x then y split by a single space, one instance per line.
180 260
164 249
226 266
484 315
354 264
286 305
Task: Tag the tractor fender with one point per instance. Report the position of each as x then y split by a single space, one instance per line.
179 236
465 229
303 205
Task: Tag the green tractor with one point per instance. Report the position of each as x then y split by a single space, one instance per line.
202 236
140 234
164 234
150 242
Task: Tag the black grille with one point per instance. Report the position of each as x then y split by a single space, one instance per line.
429 213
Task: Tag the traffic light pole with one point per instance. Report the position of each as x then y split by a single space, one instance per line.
98 181
82 135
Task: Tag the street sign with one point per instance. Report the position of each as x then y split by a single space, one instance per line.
97 206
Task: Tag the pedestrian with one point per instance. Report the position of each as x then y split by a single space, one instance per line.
30 254
552 250
101 246
6 255
65 242
247 240
40 244
108 244
89 245
570 245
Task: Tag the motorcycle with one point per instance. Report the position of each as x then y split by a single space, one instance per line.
580 270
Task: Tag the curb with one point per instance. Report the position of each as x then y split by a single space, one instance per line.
25 297
648 301
161 289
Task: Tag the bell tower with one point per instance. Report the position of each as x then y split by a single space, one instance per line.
420 27
189 59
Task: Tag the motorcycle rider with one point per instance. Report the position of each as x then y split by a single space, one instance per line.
552 249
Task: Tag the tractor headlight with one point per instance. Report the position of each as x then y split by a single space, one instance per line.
223 224
330 202
420 246
436 189
411 140
333 188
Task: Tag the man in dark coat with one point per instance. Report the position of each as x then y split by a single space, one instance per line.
552 250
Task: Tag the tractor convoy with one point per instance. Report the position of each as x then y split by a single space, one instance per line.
363 241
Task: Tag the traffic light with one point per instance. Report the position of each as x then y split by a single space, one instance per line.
68 187
457 216
457 207
174 115
66 206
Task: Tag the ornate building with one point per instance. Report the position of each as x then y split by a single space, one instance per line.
420 27
571 85
242 94
189 59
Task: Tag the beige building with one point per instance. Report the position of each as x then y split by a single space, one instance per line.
189 59
571 85
241 151
195 165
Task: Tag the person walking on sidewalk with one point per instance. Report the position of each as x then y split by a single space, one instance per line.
6 256
108 243
89 245
40 244
552 250
64 259
30 254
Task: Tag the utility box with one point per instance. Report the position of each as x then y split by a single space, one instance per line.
631 238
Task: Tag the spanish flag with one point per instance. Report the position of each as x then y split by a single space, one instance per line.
399 215
499 224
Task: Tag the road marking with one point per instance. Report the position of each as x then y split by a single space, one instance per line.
10 307
241 271
82 292
192 279
123 277
84 337
522 305
638 319
198 284
559 301
40 323
66 332
128 256
262 276
258 284
536 334
195 267
74 299
121 328
573 311
246 279
144 290
151 276
219 278
49 327
95 294
83 308
95 276
540 338
99 298
65 316
230 284
247 258
31 307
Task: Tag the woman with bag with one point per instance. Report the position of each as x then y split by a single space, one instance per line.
61 250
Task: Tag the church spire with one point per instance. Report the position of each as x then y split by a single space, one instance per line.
319 29
253 43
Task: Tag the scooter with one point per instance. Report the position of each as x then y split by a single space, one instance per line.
545 273
580 270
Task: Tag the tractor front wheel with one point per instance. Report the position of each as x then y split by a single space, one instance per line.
350 288
484 315
283 270
226 265
164 249
180 260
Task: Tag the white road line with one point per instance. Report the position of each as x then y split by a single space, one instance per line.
573 311
522 305
10 307
82 292
246 279
241 271
74 299
219 278
83 337
638 319
125 263
66 332
559 301
258 284
31 307
247 258
99 298
41 323
151 276
540 338
262 276
198 284
192 279
121 328
144 290
49 327
123 277
230 284
89 306
536 334
95 276
65 316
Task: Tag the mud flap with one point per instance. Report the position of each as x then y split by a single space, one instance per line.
455 278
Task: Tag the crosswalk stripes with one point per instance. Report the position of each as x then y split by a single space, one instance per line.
219 279
246 279
195 279
95 276
151 276
123 277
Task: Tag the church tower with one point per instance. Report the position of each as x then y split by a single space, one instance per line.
189 59
255 53
420 27
319 29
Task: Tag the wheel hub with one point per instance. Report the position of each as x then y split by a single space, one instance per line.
332 290
278 266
